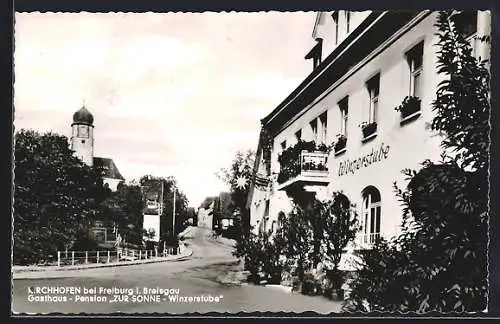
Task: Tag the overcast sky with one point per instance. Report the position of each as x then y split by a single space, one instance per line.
171 94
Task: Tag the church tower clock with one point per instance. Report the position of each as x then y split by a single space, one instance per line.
82 136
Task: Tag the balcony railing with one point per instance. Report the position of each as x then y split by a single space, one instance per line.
312 168
366 240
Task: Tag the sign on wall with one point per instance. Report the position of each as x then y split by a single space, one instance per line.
376 155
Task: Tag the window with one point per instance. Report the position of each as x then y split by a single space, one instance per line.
414 58
283 145
335 17
324 126
466 22
347 21
266 216
370 222
315 53
82 131
373 86
314 128
344 110
298 135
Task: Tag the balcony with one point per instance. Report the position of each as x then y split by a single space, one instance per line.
365 241
309 168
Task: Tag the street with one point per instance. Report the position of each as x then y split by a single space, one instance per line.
194 285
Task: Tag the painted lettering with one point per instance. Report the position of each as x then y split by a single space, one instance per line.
376 155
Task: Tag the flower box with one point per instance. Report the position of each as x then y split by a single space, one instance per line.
341 143
409 106
368 129
300 158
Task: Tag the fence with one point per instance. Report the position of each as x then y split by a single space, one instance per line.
69 258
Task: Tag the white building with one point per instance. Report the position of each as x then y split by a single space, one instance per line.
206 213
82 142
365 64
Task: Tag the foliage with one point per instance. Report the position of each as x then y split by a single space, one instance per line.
289 159
124 208
409 106
309 235
241 168
368 128
56 196
462 105
317 233
262 257
439 262
340 143
181 204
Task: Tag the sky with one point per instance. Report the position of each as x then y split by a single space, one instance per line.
172 94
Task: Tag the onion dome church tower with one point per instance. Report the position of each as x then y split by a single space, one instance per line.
82 135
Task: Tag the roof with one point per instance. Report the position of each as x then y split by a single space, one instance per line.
207 202
83 116
372 32
109 168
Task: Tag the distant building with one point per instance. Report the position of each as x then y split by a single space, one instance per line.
206 213
152 196
224 216
82 142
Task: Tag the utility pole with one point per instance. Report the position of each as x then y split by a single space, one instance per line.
160 211
173 216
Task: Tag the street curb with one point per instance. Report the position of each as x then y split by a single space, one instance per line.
18 274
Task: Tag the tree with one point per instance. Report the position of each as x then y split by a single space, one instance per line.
439 262
56 197
123 208
181 204
239 177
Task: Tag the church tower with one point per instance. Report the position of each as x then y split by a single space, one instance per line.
82 136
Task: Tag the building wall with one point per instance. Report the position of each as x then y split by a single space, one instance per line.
205 217
408 145
83 147
152 222
326 28
112 183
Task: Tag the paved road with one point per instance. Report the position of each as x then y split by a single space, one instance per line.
198 278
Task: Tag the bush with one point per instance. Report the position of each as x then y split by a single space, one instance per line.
439 262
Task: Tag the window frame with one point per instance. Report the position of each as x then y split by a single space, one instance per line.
314 127
373 88
371 214
283 145
298 135
343 105
335 17
323 120
414 55
348 21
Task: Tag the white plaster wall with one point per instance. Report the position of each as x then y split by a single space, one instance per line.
84 151
112 183
204 219
152 222
409 145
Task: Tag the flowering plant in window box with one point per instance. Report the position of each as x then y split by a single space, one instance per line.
368 128
290 159
341 143
409 106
